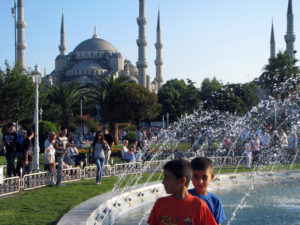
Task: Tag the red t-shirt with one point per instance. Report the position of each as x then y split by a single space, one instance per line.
189 211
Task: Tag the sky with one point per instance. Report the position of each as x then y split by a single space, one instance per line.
226 39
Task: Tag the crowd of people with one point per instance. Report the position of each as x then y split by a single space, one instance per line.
17 146
250 143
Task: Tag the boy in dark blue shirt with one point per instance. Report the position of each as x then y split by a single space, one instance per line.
202 176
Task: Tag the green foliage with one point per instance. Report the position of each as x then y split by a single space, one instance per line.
16 94
88 121
130 136
132 128
63 98
178 98
233 98
280 76
209 92
45 128
130 102
99 92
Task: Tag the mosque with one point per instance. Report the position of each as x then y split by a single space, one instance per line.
96 57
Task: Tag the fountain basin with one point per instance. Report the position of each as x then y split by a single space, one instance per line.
105 208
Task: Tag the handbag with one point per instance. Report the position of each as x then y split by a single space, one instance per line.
48 156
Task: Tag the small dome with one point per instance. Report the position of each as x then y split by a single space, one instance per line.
61 57
95 44
131 78
86 65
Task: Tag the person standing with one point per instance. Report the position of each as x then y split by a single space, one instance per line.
99 156
61 149
110 140
49 155
10 143
21 136
248 153
27 152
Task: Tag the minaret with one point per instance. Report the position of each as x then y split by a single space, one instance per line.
21 45
272 44
158 61
290 37
62 47
142 43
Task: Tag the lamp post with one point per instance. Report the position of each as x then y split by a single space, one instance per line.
36 78
41 114
167 115
275 109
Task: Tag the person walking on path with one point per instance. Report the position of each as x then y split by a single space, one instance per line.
99 156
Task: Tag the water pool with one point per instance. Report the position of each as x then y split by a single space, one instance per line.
276 204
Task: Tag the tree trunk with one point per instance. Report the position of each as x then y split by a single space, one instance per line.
117 133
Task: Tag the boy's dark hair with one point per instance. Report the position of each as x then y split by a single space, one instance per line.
202 163
63 128
29 132
180 168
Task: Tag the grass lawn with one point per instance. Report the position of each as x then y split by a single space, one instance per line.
48 205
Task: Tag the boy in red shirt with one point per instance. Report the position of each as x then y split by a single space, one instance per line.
179 208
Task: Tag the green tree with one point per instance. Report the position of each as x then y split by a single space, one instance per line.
45 128
280 76
131 102
64 97
209 89
16 94
98 92
177 98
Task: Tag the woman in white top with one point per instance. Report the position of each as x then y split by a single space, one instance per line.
49 155
126 154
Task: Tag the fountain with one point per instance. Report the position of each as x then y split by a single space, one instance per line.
272 167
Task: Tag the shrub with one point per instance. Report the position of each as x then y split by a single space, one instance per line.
132 128
45 127
130 136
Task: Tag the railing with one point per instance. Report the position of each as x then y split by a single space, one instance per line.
90 172
37 180
221 161
10 186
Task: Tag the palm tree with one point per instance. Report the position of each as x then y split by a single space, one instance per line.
64 97
99 94
280 76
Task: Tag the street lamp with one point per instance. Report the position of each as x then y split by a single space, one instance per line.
36 78
275 109
41 113
167 115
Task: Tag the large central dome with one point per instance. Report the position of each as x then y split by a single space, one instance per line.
95 44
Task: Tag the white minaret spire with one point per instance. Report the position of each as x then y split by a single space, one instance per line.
290 36
158 61
142 43
62 47
272 44
21 45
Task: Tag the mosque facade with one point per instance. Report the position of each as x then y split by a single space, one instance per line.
95 57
